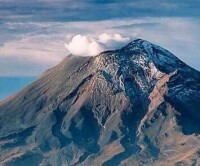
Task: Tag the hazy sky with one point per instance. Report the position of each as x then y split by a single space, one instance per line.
33 34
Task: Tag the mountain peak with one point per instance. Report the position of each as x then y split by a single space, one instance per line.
131 106
141 56
138 43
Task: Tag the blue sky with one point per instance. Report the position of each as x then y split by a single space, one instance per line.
10 85
33 33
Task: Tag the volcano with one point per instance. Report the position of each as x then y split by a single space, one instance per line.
138 105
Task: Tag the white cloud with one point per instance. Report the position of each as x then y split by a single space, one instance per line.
105 38
83 45
91 46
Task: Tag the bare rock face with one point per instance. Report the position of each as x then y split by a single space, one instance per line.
139 105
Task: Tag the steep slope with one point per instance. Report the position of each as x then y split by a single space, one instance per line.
133 106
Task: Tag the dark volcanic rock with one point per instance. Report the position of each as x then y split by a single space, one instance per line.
138 105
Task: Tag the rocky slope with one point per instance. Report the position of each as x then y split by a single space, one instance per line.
139 105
